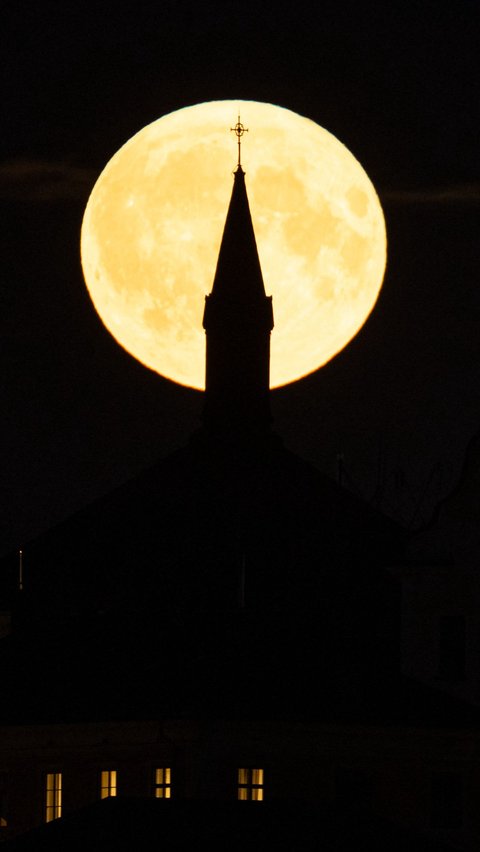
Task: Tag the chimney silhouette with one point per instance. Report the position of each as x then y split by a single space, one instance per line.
238 319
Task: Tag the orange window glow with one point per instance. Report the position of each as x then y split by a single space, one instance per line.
163 783
250 785
108 783
53 798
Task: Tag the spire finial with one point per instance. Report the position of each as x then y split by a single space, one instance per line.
239 130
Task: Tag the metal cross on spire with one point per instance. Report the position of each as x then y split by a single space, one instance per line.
239 130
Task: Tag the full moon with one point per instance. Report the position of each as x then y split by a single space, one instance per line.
153 225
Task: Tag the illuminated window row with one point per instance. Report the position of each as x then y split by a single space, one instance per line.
249 787
108 787
162 785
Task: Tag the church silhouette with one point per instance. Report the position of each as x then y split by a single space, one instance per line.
212 652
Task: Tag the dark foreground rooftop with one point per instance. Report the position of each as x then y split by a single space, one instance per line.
145 824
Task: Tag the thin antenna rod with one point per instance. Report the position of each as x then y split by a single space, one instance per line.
20 570
239 130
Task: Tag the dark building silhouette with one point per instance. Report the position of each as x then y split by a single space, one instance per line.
441 597
224 632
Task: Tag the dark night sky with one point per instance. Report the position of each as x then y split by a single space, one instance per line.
397 83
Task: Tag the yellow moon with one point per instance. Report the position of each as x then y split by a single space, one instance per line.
153 224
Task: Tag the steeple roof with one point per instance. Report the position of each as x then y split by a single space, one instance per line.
238 277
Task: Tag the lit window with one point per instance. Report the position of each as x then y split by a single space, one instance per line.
108 783
250 785
163 783
53 785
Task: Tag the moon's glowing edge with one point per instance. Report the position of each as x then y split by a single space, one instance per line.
157 210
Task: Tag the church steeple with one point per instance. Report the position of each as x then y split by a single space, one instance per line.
238 274
238 319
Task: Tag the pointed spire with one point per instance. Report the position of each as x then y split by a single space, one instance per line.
238 275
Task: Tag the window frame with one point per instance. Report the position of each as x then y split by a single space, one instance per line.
108 783
162 782
250 784
53 786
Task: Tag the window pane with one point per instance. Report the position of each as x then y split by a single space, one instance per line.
243 776
257 776
242 794
257 794
163 793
